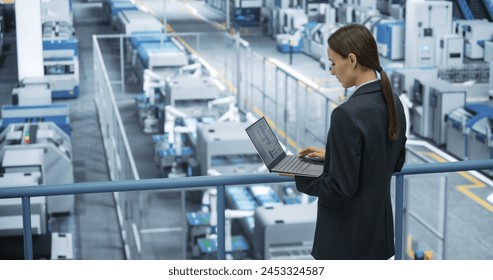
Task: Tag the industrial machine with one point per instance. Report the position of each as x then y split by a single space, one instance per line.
164 56
357 11
450 50
291 42
44 148
469 132
457 132
46 245
139 37
33 92
224 148
480 141
57 10
273 222
390 39
488 51
402 79
61 59
190 97
430 97
474 32
130 21
110 11
425 21
315 40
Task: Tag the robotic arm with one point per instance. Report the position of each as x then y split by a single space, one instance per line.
152 81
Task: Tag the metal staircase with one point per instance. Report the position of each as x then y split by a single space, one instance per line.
475 9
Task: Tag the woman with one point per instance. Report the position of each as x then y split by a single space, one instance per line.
365 145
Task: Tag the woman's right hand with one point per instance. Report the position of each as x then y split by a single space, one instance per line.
312 152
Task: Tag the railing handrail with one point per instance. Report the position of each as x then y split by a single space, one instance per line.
220 182
206 181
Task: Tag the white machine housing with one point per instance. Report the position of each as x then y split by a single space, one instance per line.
284 231
450 50
137 21
61 59
11 208
40 147
226 148
474 31
425 21
423 102
32 93
57 10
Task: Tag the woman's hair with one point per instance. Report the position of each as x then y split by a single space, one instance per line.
357 39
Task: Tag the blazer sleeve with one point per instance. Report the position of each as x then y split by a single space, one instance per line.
401 158
340 180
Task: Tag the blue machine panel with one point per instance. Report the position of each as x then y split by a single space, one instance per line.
57 113
117 7
207 245
198 219
65 44
138 38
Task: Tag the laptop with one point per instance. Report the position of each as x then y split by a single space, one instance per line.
274 157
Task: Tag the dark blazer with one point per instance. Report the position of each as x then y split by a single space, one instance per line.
354 219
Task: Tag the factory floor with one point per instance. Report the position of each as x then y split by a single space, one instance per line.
94 221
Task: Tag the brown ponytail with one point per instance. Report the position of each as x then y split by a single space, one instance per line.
393 128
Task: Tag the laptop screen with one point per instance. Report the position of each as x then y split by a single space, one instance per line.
265 141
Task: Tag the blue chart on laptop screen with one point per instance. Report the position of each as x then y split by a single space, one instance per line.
270 149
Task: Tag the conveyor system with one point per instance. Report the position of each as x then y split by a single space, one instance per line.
137 38
137 21
116 8
61 59
40 147
156 55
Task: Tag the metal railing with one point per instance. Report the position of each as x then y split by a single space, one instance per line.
220 182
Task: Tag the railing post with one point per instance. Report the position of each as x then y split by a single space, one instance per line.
221 221
26 223
399 210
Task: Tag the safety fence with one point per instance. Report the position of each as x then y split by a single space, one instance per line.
220 182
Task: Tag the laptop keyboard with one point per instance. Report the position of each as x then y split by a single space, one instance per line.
293 164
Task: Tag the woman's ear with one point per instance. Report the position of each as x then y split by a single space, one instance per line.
353 59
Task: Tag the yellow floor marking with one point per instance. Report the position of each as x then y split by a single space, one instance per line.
281 133
410 251
466 189
292 143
